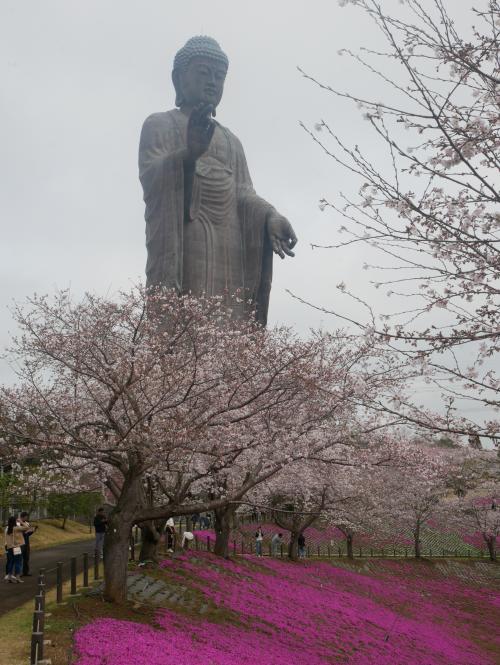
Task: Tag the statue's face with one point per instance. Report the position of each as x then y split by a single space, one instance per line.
202 81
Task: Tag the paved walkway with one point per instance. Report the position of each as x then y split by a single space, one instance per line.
12 595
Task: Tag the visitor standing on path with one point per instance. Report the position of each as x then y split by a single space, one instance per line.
14 540
170 534
302 546
259 537
23 521
100 526
276 541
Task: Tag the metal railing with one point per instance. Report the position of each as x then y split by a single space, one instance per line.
238 547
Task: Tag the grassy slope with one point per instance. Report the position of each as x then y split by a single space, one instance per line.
376 612
49 533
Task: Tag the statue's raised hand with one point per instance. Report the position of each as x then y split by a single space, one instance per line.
200 130
281 234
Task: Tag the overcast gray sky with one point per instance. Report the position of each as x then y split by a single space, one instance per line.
79 78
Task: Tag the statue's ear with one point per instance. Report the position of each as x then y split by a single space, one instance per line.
176 80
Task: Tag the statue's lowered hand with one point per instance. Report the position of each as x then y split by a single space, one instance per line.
281 235
200 130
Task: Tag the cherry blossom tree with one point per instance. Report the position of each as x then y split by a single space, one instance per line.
297 498
479 512
409 494
429 202
334 481
353 513
356 471
156 391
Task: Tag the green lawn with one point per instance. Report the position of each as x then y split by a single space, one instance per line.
49 533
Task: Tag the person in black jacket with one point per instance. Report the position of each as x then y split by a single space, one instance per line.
26 547
100 526
301 541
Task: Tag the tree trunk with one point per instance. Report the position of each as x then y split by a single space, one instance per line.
490 543
416 533
117 537
150 540
350 551
63 525
293 546
116 561
223 518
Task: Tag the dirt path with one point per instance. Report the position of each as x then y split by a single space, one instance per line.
12 595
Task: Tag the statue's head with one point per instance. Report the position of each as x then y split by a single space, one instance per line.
199 72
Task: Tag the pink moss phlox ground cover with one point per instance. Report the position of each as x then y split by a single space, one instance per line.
330 535
475 539
313 611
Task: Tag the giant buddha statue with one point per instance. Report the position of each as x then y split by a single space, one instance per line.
207 231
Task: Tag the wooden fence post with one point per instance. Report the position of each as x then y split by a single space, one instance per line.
41 578
36 648
38 621
59 582
85 569
73 575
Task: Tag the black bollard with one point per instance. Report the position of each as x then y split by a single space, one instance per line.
36 648
85 569
59 581
40 602
73 575
38 621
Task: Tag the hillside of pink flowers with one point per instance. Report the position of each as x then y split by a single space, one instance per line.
397 613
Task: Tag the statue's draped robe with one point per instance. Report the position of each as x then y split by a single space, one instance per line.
221 246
